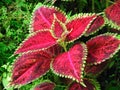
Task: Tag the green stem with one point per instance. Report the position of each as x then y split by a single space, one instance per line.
64 46
93 5
107 3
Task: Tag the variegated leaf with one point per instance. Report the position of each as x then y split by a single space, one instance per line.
45 86
78 26
58 28
113 16
95 25
44 16
70 64
78 86
37 41
30 66
101 48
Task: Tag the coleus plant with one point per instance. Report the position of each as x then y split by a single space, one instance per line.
54 44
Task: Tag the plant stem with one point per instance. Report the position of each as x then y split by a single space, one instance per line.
93 5
64 46
107 3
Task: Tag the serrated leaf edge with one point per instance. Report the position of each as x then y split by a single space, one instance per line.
110 34
111 23
82 68
61 24
46 81
19 85
46 6
96 75
96 84
30 35
81 15
96 29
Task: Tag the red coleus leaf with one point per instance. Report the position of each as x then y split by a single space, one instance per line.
58 28
37 41
95 69
70 64
30 66
44 16
77 86
101 48
54 50
96 25
45 86
78 26
112 13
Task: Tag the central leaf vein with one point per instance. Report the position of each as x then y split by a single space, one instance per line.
71 63
44 18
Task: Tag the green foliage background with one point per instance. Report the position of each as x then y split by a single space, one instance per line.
15 16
